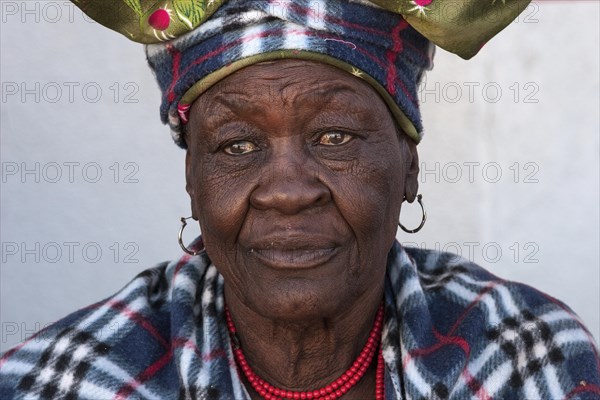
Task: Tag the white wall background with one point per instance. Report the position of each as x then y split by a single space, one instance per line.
541 133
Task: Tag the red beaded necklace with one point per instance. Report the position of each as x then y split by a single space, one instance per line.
332 391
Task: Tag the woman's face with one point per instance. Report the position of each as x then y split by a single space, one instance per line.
296 174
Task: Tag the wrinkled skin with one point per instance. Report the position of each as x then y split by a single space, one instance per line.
296 174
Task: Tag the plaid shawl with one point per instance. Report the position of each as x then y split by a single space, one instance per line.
452 331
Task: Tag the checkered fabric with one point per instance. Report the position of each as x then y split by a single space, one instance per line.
62 365
528 341
452 331
370 42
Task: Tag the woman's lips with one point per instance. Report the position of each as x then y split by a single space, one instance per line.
293 258
293 252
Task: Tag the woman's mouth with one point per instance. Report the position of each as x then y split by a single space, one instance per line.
291 258
293 251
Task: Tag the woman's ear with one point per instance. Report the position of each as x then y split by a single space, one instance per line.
411 183
189 182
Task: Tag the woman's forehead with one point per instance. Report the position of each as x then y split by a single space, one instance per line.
288 80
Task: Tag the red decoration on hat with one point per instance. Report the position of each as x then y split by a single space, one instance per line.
160 19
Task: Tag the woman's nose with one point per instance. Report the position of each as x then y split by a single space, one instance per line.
290 187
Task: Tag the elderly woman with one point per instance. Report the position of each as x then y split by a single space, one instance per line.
301 127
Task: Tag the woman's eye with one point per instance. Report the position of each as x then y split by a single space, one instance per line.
334 138
240 147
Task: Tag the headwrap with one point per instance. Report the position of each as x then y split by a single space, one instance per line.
192 44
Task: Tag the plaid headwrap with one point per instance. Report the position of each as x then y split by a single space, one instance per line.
192 44
369 42
451 331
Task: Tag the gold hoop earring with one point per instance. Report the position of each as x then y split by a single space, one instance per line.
423 218
180 239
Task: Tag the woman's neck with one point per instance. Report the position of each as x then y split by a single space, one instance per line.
306 355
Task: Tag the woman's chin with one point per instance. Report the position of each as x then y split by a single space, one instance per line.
303 286
299 299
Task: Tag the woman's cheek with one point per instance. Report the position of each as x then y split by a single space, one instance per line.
372 189
223 207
